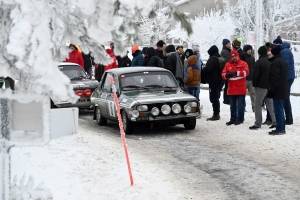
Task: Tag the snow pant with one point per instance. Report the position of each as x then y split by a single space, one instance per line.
237 107
192 91
251 92
260 97
225 96
279 114
214 96
287 103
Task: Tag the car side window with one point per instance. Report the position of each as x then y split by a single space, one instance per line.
106 85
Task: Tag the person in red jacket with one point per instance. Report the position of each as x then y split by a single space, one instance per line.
75 56
114 64
235 72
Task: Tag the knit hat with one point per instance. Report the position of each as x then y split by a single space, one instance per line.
234 53
225 42
188 53
262 51
170 48
160 43
247 47
192 60
237 43
134 48
277 41
212 50
275 50
195 48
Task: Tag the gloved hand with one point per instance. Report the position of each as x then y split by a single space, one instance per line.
230 74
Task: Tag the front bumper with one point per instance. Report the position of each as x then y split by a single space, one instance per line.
165 118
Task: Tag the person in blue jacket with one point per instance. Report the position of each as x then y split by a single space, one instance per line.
138 57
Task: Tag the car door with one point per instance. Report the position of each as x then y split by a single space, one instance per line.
102 97
111 105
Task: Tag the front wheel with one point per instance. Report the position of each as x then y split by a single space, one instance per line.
190 125
99 118
127 124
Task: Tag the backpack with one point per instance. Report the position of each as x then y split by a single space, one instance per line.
160 62
222 62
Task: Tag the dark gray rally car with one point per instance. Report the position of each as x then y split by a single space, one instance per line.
146 95
82 85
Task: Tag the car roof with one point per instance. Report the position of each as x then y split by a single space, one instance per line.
125 70
67 63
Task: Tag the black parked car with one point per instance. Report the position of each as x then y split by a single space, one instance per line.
146 95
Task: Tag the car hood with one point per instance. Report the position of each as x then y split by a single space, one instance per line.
84 83
160 96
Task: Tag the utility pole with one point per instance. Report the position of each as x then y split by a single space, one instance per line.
259 24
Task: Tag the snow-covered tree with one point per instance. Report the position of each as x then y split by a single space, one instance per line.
209 29
31 31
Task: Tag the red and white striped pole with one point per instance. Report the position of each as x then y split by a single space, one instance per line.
121 127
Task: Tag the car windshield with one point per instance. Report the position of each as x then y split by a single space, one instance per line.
73 71
147 80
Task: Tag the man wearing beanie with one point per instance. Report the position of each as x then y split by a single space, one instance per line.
278 89
260 83
277 42
236 45
137 55
251 62
158 50
212 74
235 72
225 53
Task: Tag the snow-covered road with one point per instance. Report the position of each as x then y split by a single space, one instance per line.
212 162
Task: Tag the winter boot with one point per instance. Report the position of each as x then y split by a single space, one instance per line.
214 118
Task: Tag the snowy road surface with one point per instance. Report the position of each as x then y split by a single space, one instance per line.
211 162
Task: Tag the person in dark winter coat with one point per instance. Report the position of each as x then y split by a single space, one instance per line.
125 61
251 62
193 76
174 64
212 73
225 53
235 72
260 82
288 56
278 89
88 63
151 59
137 54
158 50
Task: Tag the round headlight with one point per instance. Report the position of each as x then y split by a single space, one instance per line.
193 104
176 108
155 111
187 108
135 113
142 108
166 109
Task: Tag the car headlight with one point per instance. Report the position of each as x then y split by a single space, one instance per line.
187 108
135 113
192 104
176 108
142 108
166 109
155 111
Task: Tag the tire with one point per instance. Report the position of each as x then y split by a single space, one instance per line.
127 125
191 124
99 118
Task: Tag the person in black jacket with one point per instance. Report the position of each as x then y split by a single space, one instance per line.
225 53
278 89
174 64
151 59
260 82
251 62
125 61
88 62
212 74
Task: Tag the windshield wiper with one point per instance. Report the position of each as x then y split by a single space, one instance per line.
134 86
77 77
159 86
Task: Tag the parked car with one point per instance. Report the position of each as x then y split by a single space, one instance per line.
82 85
146 95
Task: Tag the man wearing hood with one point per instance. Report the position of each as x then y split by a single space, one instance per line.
151 59
212 73
174 64
235 72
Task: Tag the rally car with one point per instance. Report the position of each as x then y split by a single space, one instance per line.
82 85
146 95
